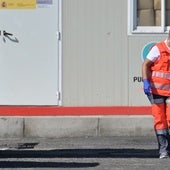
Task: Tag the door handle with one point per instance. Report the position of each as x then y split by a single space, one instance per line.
7 33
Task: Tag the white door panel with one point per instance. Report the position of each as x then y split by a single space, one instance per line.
29 57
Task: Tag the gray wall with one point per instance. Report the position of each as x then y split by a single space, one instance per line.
135 46
100 59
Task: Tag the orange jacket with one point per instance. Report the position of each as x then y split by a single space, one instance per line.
160 72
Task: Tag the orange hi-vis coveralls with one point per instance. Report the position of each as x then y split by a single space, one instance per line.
160 97
160 84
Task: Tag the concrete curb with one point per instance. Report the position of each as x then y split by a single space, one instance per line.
76 126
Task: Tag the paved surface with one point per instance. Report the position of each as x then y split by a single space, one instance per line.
88 153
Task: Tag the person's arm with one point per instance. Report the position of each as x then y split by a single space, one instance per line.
146 73
146 69
152 56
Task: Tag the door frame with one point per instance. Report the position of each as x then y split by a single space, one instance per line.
60 53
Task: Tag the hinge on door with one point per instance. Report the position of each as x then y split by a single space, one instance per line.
58 95
58 35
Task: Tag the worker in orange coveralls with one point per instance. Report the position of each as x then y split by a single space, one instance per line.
156 85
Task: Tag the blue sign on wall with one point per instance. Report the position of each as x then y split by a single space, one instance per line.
146 49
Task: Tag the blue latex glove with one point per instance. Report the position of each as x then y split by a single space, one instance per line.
146 87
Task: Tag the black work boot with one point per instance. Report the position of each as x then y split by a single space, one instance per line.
163 139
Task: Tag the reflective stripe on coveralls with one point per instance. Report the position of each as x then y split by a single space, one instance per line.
161 74
162 132
161 86
155 100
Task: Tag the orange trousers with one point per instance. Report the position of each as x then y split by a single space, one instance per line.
161 115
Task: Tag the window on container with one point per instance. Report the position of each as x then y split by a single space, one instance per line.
149 16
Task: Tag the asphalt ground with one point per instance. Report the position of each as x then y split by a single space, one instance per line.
83 153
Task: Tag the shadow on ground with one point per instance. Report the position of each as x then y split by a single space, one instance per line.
35 164
69 153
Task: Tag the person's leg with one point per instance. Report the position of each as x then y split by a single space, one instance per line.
168 111
163 142
168 118
160 123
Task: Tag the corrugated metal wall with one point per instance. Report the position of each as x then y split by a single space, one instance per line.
99 58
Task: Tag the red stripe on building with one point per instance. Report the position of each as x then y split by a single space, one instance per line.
72 111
